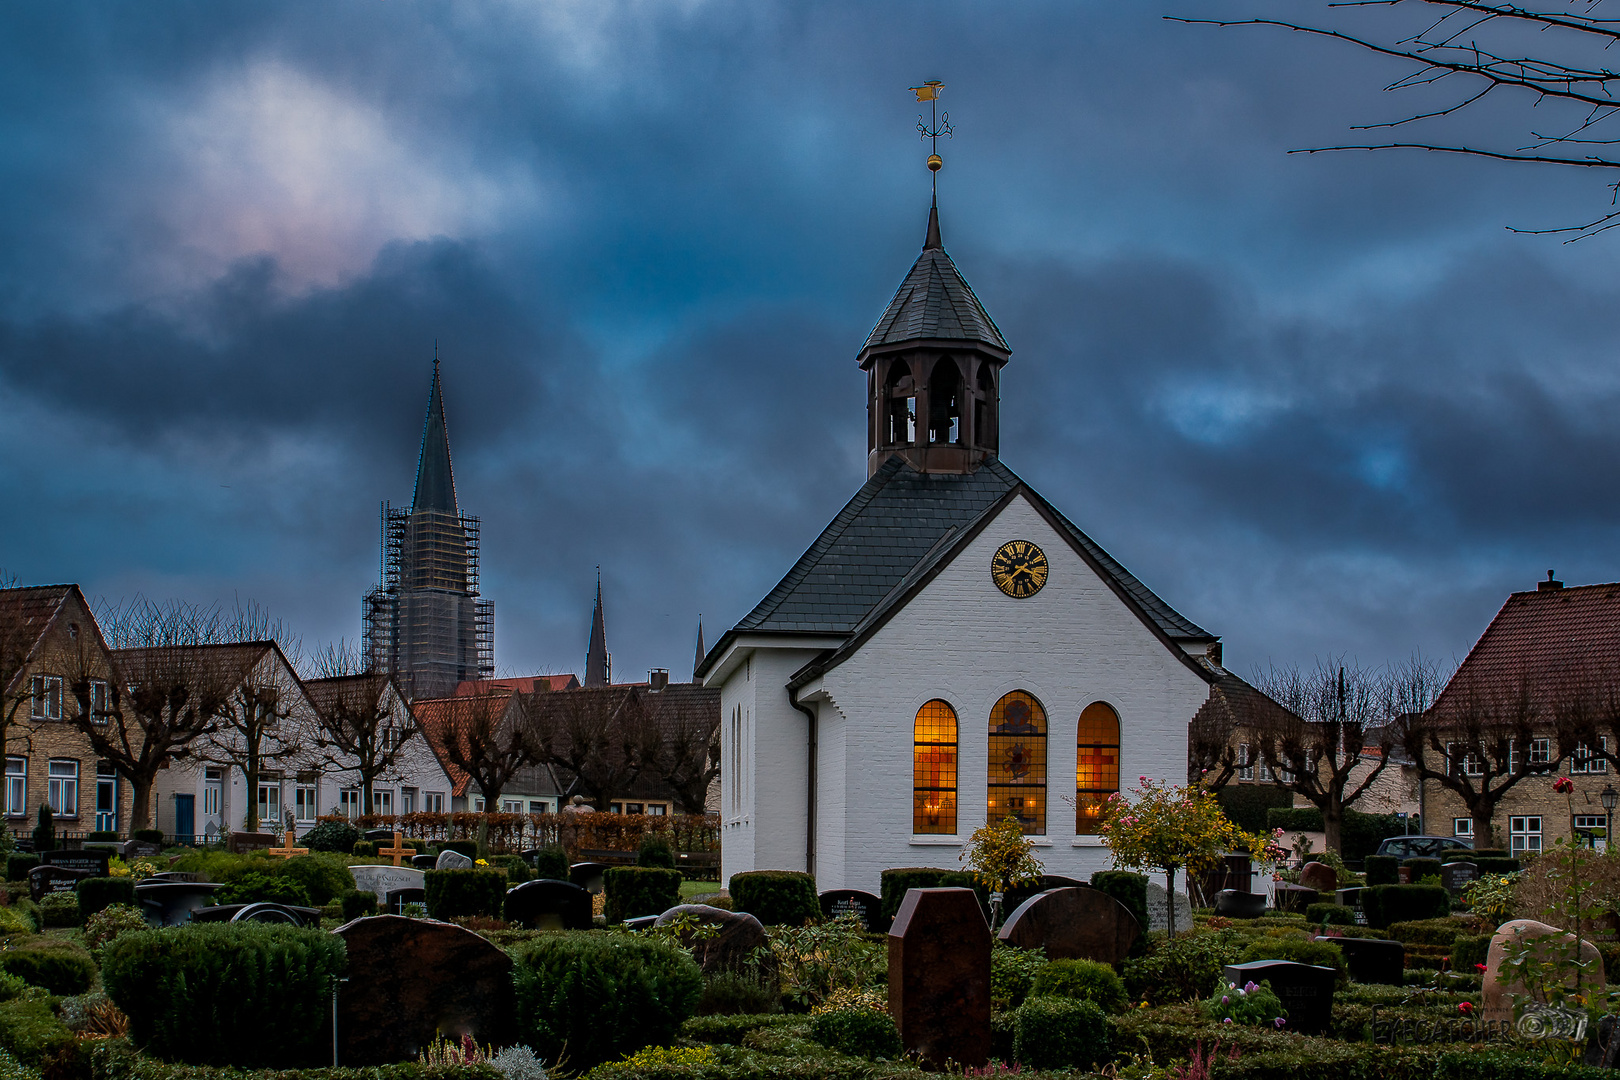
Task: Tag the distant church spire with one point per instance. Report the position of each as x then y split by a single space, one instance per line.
598 668
697 661
435 484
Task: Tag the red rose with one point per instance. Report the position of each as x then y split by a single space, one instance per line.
1563 785
1465 1007
1480 966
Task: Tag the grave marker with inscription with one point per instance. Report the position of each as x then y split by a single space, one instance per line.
44 880
1306 990
1455 875
939 976
863 905
93 861
382 880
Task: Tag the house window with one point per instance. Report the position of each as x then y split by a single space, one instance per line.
382 802
1524 833
1462 826
349 802
433 802
478 804
933 769
657 809
1096 766
106 797
615 808
213 792
16 786
1017 775
305 804
270 803
46 692
1463 762
1590 828
407 800
511 806
539 806
1540 756
634 808
100 695
1244 763
1262 771
1584 761
64 788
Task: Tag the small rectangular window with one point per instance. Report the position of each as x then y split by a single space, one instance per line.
64 788
304 803
407 800
1525 833
1462 826
1244 764
1586 762
433 802
349 802
382 802
657 809
270 804
511 806
539 806
100 701
46 693
16 786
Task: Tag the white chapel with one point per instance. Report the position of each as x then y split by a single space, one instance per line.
950 647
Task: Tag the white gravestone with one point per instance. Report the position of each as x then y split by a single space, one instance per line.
383 880
1158 915
452 860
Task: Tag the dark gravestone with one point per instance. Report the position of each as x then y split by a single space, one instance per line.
285 914
241 843
863 905
395 901
172 875
1294 898
588 875
939 976
1455 875
44 880
170 903
1232 904
141 849
424 862
378 834
1372 960
1305 989
736 945
92 861
411 980
1073 924
549 905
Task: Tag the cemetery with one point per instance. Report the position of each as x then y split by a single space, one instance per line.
428 959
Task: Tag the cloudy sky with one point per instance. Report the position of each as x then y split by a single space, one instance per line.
1323 405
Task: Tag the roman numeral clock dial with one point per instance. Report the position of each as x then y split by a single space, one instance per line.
1019 569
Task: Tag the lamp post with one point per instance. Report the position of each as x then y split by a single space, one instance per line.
1609 798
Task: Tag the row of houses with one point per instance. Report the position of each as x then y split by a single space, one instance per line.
202 739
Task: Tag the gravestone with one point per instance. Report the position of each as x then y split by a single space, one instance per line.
1319 876
396 900
1498 1000
1297 898
1306 990
93 861
1455 875
1372 960
641 922
452 860
285 914
939 976
425 862
44 880
413 979
865 906
382 880
1158 910
378 834
240 843
172 875
588 875
1232 904
732 949
290 847
141 849
170 903
1073 924
397 850
549 905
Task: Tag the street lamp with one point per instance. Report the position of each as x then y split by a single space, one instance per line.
1609 798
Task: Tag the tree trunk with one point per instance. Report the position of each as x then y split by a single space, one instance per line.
140 811
1170 901
250 776
1333 826
1482 827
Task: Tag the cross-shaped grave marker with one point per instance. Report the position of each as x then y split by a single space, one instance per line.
289 851
398 851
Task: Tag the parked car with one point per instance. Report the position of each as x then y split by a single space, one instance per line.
1422 847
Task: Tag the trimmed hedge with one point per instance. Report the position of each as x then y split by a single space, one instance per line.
1420 868
365 849
1082 980
1439 932
1060 1033
551 863
730 1030
654 850
601 996
633 891
59 909
31 1030
1129 889
336 836
897 882
517 871
1301 951
1490 853
1382 870
1467 953
1497 866
357 904
114 1059
58 965
1331 914
253 995
857 1031
100 892
1359 838
776 897
468 848
148 836
18 865
449 893
1385 904
1246 804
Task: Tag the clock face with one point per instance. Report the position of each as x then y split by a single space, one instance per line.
1019 568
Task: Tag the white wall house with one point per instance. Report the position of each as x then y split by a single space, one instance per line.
950 648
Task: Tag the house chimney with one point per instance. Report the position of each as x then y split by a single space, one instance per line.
1550 584
657 678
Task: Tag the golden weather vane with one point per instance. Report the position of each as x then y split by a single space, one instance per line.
941 125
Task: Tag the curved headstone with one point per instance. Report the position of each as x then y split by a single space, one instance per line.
549 905
867 907
1073 924
733 948
452 860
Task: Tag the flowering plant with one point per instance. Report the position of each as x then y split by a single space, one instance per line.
1251 1003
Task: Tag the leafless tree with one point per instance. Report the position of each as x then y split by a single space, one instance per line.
1461 53
361 728
486 735
596 740
18 638
687 760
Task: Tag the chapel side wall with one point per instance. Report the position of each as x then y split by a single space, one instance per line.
832 795
736 816
779 750
962 640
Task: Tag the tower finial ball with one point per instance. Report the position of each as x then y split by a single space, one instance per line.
935 162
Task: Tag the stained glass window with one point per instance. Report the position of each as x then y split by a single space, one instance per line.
933 770
1018 762
1096 766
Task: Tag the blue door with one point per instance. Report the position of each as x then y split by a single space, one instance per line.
185 818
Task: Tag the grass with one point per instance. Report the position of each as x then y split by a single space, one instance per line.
690 890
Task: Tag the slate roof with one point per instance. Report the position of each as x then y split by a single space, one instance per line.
935 302
435 483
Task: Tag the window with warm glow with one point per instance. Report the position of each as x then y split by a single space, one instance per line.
933 770
1096 766
1018 762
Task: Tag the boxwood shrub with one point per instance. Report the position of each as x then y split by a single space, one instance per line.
18 865
1440 932
857 1031
248 994
1332 914
654 850
468 848
114 1059
449 893
1420 868
59 909
365 849
633 891
357 903
601 996
551 863
1060 1033
32 1031
1385 904
896 883
1083 980
730 1030
517 871
775 897
1128 888
324 877
59 966
100 892
1469 952
337 836
148 836
257 888
1496 866
1183 969
1382 870
1301 951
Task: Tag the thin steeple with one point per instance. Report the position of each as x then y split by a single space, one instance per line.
697 661
435 484
597 665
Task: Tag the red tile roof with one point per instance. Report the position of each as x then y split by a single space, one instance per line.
527 684
25 615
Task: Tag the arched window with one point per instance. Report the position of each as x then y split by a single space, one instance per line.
1096 763
1018 762
900 399
933 770
945 402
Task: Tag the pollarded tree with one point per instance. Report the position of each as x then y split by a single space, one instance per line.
595 739
485 735
363 726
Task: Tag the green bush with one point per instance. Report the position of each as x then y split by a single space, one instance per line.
1060 1033
857 1031
100 892
600 995
148 836
1246 804
1382 870
1083 980
633 891
29 911
110 922
1497 866
1181 970
731 1030
357 903
1469 952
468 848
1485 853
517 871
18 865
775 897
59 909
733 992
257 888
1440 932
896 883
1128 888
365 849
337 836
1250 1004
1420 868
32 1032
59 966
248 994
654 850
1386 904
1301 951
16 920
323 877
1330 914
551 863
1012 973
449 893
